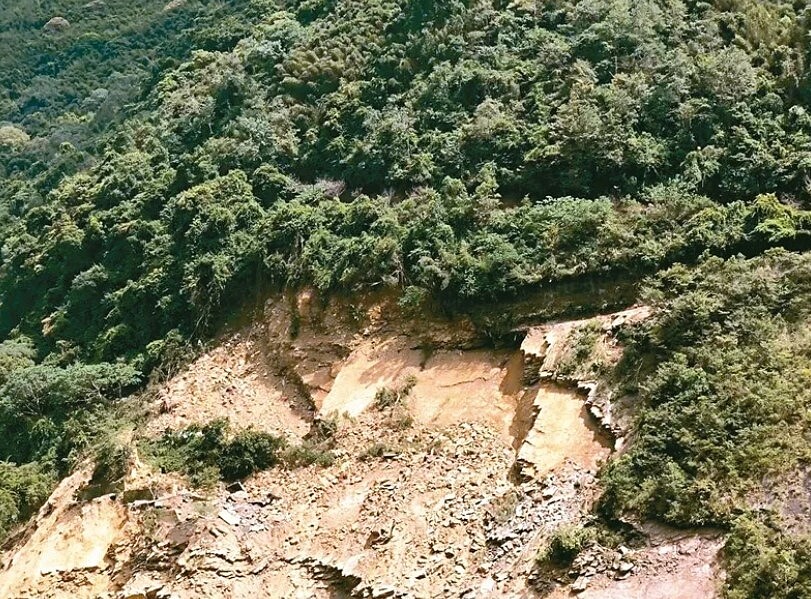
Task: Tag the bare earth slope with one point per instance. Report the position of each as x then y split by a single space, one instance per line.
451 493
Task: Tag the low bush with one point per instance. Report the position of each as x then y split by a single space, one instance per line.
306 454
566 544
763 563
375 450
210 452
22 489
389 397
720 382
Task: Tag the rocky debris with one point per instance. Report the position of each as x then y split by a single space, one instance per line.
150 591
671 564
598 560
580 584
239 379
337 577
438 512
230 518
533 352
56 25
381 536
539 510
600 408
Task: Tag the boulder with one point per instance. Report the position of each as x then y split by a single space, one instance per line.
56 25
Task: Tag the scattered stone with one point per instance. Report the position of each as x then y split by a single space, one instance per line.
260 567
235 487
625 566
379 537
580 584
156 592
230 517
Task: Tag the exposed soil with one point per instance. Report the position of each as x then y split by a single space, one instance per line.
235 381
563 431
70 538
421 500
673 565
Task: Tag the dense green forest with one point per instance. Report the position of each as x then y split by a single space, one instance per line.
159 163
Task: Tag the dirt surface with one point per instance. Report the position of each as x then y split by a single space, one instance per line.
674 565
448 490
71 539
235 381
563 431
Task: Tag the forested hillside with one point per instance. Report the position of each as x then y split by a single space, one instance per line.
163 164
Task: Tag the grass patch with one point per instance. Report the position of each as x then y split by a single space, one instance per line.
566 544
376 451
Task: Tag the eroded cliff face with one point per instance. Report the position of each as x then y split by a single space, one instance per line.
449 488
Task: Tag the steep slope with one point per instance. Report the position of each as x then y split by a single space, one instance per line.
452 490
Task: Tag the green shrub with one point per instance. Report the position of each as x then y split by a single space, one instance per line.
726 400
307 454
22 490
247 452
15 355
566 544
323 430
764 563
213 451
375 450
